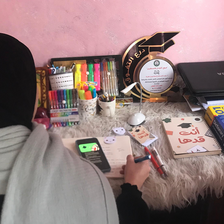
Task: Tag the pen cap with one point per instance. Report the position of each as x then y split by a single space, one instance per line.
78 67
81 94
88 95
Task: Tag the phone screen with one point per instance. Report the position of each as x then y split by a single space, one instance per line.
91 150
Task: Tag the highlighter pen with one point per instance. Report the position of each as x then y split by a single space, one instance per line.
155 164
83 72
97 75
77 74
88 95
142 158
159 160
90 69
94 93
82 94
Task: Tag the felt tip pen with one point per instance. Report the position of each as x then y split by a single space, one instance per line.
142 159
59 98
155 164
65 98
159 160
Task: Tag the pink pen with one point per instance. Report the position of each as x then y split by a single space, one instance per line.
56 99
97 76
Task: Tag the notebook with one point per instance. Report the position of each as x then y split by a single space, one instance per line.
190 136
115 152
203 78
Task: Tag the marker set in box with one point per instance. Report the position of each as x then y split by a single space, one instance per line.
64 107
105 71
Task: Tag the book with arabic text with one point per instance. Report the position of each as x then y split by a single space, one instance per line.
190 136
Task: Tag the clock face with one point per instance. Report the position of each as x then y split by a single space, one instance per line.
156 76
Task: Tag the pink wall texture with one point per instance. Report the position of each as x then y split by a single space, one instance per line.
70 28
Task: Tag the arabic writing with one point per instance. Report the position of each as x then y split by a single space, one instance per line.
194 132
184 141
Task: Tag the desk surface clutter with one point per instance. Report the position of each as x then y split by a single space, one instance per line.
188 177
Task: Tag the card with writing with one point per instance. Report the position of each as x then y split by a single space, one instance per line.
142 135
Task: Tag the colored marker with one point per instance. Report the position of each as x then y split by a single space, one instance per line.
90 69
97 75
142 158
77 74
68 98
155 164
50 99
88 95
83 72
82 94
74 97
59 98
62 98
159 160
65 99
94 93
56 99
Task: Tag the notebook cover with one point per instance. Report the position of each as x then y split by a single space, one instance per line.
203 78
190 136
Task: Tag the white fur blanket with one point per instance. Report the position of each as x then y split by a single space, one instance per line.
188 177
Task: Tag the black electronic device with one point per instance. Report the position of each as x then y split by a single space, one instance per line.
91 150
203 78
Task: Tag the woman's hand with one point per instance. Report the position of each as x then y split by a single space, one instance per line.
135 173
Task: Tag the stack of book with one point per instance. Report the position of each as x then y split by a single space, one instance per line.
214 116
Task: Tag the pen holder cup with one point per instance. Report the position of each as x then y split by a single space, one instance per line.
62 81
87 108
107 109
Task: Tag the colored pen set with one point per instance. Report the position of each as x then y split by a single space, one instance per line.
64 107
103 73
63 98
106 98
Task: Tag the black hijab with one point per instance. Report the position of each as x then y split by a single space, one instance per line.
17 83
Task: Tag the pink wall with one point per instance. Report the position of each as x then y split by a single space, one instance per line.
70 28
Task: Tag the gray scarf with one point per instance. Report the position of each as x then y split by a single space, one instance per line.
47 183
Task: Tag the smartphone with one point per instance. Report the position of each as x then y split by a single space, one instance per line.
91 150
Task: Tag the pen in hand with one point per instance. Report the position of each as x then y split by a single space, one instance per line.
142 158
